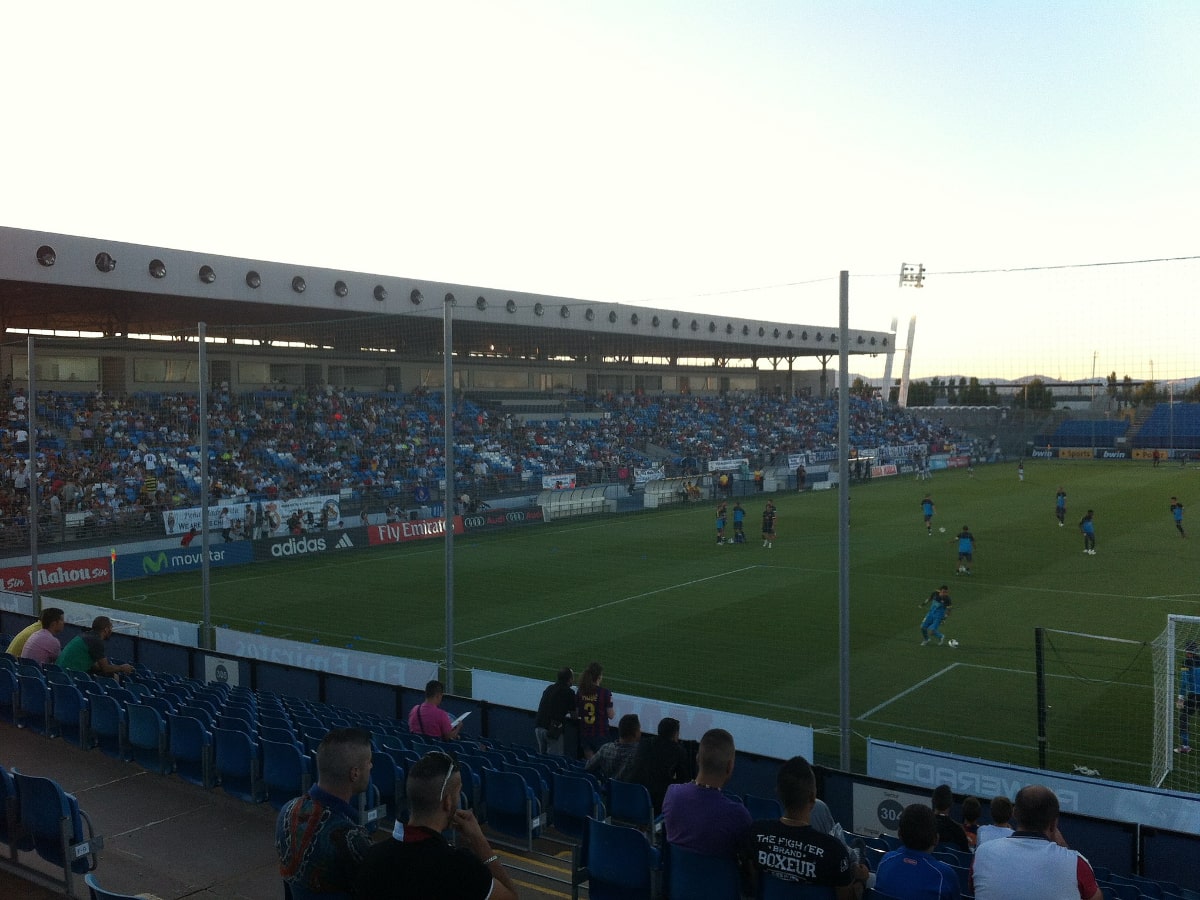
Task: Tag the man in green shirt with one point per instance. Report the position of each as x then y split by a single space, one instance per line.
86 652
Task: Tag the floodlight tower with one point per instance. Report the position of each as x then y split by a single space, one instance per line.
887 367
914 276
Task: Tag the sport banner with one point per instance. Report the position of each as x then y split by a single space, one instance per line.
502 518
181 559
402 532
67 573
260 518
308 545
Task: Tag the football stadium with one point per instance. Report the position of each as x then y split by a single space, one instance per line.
301 494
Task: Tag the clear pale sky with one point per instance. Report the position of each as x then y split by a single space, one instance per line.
710 157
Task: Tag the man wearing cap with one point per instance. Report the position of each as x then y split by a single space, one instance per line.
86 651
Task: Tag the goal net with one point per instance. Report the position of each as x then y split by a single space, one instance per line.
1095 695
1176 704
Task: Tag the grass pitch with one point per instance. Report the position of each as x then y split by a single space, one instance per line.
753 630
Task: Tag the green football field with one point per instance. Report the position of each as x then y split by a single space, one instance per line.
672 615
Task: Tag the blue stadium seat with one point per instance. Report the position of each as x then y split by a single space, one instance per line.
33 707
617 863
238 763
9 826
771 888
109 725
695 876
147 737
763 807
287 771
629 804
55 827
575 801
70 714
8 694
513 811
191 748
99 893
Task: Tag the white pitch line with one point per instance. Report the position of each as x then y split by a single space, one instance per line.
907 691
580 612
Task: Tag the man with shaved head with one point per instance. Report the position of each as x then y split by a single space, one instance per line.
1034 863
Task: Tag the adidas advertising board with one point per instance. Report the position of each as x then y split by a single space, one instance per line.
304 546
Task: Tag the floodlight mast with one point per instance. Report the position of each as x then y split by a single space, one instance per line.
844 516
913 275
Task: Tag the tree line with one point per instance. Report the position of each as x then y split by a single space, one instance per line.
1035 394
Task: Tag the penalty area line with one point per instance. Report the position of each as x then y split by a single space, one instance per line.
900 696
580 612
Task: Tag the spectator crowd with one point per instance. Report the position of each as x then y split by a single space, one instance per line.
120 463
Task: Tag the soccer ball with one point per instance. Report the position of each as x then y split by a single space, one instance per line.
952 642
942 529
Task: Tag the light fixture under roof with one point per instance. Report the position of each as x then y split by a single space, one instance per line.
104 262
157 268
380 293
299 284
415 297
253 280
206 274
46 255
341 288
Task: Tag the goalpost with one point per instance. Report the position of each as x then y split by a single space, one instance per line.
1094 700
1181 637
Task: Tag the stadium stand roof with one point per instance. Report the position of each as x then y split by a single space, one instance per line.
68 283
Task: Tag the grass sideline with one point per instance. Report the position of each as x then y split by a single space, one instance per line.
755 630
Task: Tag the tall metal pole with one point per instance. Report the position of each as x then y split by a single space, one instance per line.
1039 649
890 357
1092 405
844 516
902 399
35 588
448 455
207 638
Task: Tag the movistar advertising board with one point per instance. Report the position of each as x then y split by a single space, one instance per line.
181 559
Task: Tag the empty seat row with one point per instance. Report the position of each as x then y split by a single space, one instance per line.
39 817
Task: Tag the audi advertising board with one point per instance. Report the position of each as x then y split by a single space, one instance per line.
502 518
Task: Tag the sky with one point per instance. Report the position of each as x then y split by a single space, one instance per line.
710 157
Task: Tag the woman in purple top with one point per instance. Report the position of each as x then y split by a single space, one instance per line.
594 706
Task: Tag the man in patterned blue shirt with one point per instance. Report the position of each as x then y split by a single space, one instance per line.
317 835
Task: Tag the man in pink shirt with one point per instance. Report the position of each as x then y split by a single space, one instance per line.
43 645
429 718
